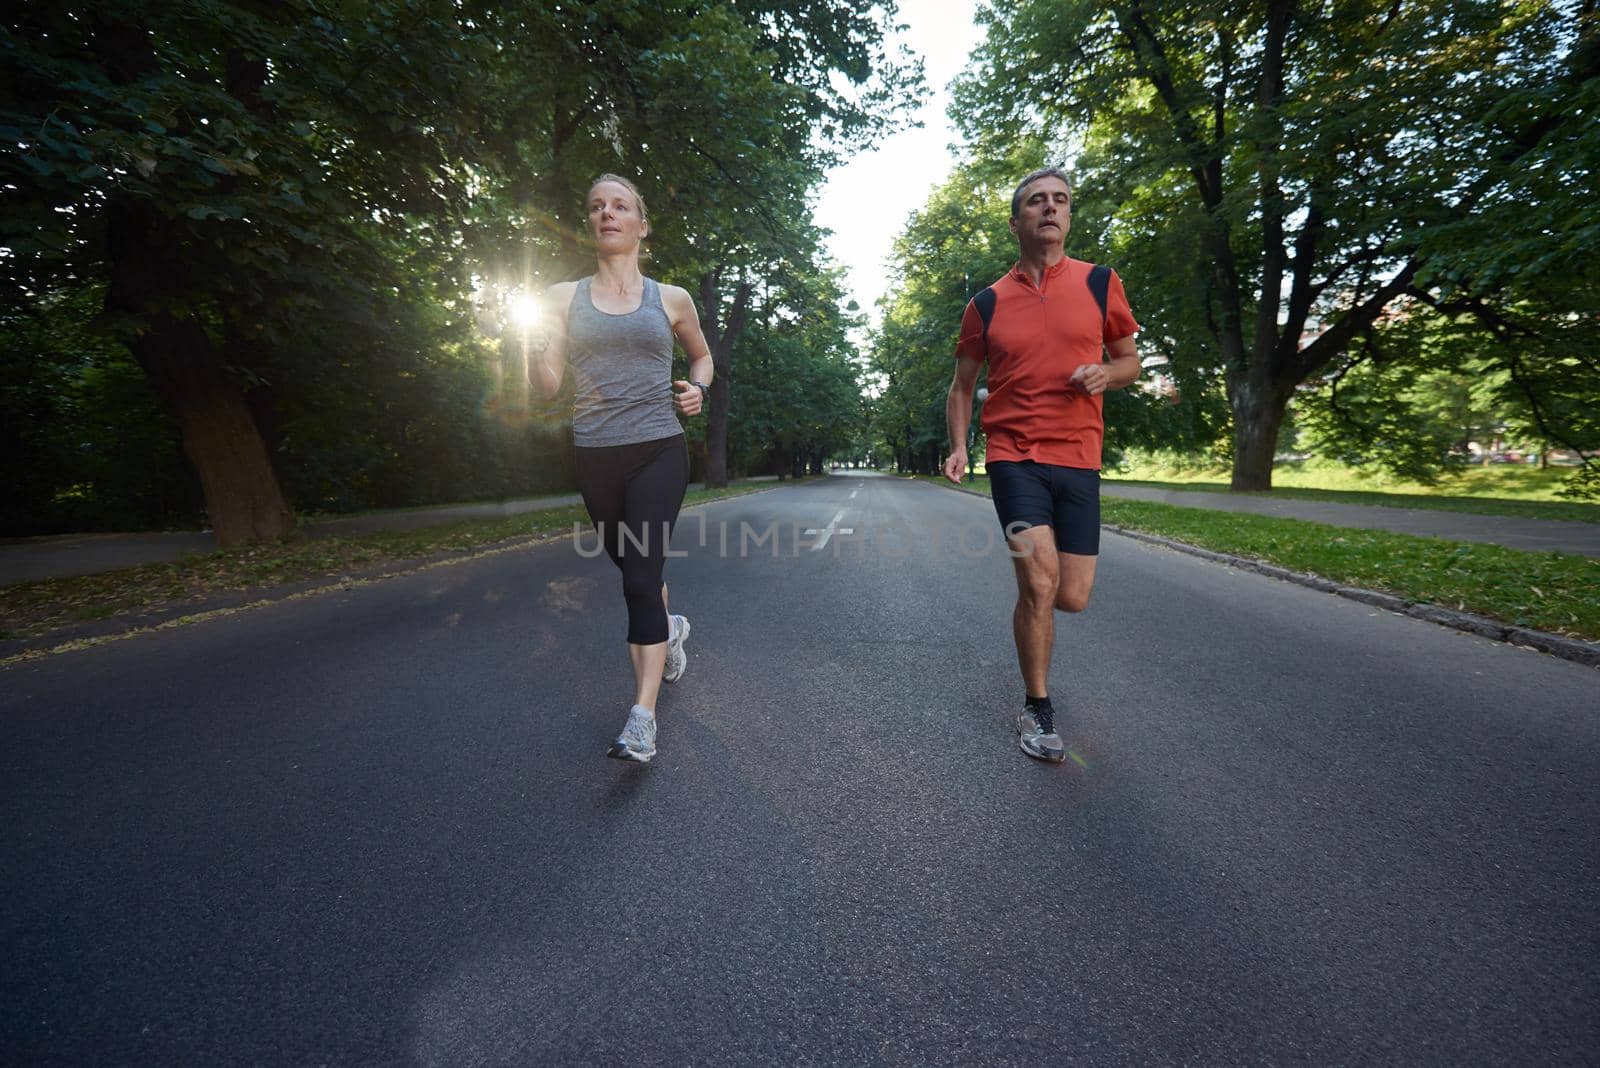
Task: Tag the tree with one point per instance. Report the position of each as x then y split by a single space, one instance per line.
727 114
1298 166
798 400
761 233
285 206
239 175
83 443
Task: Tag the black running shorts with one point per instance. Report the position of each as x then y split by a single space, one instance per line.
1066 499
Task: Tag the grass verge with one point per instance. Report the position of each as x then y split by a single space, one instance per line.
32 609
1554 592
1528 509
1494 489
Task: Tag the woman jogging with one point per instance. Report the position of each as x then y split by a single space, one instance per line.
616 329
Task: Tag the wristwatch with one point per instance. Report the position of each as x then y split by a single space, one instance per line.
705 390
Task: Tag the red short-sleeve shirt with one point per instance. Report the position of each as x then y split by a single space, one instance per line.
1035 338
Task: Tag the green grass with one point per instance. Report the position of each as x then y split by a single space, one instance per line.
976 483
1527 509
1555 592
31 609
1500 489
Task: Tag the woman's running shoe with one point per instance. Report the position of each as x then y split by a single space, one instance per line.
677 659
637 742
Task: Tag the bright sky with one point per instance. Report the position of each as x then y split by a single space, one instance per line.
866 201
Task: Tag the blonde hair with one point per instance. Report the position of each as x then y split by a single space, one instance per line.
638 197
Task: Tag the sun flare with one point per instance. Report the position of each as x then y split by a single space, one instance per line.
525 311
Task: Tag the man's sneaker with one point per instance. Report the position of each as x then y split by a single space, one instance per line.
677 659
1036 742
638 738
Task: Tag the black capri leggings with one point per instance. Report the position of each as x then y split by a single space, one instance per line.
633 493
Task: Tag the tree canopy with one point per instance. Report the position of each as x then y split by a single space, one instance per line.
1282 185
305 222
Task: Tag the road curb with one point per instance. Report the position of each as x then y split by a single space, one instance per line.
1573 649
165 617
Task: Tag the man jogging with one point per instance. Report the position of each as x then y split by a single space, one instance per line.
1056 333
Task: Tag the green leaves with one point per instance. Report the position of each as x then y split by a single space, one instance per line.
312 187
1274 188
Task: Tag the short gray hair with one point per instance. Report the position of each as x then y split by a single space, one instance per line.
1042 172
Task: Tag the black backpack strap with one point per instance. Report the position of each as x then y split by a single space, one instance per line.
1099 285
984 302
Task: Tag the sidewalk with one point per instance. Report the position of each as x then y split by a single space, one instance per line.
1513 532
64 555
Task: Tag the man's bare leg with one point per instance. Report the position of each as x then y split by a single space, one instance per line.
1076 581
1047 581
1033 622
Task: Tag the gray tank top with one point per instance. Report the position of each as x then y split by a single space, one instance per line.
622 366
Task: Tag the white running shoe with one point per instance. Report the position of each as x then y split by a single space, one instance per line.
1039 740
637 741
677 659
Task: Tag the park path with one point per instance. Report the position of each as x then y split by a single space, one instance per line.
1513 532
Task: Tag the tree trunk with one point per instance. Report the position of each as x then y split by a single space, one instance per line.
1257 416
717 430
221 439
721 336
244 498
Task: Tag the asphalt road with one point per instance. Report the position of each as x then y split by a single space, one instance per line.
377 826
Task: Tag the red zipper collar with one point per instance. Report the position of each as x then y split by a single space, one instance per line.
1049 272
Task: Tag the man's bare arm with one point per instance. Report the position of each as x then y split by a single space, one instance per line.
958 416
1120 371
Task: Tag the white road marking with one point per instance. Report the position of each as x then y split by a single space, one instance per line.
854 492
829 531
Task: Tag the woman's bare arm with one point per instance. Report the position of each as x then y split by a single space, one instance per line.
686 328
550 365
